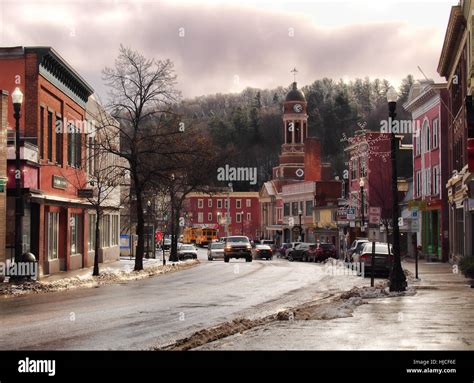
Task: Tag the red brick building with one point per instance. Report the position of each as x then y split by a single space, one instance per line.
288 201
427 103
456 65
370 178
210 211
55 95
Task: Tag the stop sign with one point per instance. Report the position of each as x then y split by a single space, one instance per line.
159 236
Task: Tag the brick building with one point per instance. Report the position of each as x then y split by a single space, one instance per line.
3 172
210 211
370 182
53 152
292 194
427 103
456 65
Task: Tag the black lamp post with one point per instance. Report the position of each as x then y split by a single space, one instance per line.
397 276
148 204
17 98
242 221
300 213
362 204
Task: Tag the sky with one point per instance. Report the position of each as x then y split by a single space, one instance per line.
225 46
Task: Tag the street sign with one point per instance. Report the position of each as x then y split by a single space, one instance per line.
414 214
351 213
373 234
374 215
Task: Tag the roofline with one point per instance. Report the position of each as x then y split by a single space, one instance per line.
45 50
409 105
456 21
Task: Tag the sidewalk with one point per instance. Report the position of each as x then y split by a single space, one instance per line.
438 317
125 264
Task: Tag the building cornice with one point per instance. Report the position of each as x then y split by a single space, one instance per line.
456 25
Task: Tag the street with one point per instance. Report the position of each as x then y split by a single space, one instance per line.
158 310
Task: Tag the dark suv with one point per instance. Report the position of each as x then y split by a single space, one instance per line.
237 247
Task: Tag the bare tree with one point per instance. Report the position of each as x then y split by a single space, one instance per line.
193 170
141 94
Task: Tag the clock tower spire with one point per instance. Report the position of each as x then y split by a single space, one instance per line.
295 132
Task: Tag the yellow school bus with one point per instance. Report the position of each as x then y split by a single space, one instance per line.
205 236
189 235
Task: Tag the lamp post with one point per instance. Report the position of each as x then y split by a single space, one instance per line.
228 210
242 221
397 276
362 204
300 213
148 204
17 98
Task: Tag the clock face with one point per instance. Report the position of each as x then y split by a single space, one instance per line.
298 108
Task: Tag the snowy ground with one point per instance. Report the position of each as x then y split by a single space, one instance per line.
116 272
373 319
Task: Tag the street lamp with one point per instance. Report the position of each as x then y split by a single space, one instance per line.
300 213
148 204
362 204
397 276
17 98
242 221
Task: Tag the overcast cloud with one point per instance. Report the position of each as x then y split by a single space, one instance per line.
225 48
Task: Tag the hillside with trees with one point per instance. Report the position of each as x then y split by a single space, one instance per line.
248 125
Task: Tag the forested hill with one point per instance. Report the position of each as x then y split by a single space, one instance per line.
249 125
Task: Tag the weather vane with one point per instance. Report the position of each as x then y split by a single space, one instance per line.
294 71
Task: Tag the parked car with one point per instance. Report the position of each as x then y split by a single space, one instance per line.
237 247
382 260
187 252
262 251
269 242
355 247
299 252
215 251
321 251
286 247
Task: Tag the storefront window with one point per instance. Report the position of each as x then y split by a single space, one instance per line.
76 233
105 232
459 232
115 230
91 232
52 246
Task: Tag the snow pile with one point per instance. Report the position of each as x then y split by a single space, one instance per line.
107 275
379 291
212 334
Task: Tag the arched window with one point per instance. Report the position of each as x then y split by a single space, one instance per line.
426 136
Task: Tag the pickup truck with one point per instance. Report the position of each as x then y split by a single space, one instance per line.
237 247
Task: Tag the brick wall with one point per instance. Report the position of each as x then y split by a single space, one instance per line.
3 169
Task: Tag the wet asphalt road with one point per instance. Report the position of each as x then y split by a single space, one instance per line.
156 311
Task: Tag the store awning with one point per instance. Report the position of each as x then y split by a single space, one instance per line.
46 198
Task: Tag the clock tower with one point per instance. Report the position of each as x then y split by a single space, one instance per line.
295 133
